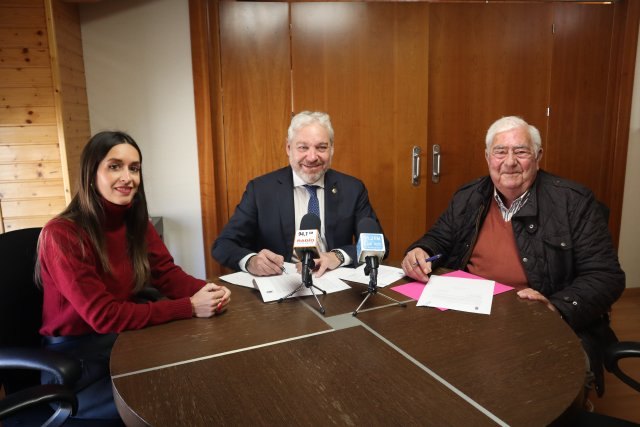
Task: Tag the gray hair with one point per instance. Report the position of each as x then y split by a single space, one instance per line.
513 122
306 118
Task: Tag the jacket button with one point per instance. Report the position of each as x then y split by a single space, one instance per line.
563 244
575 303
531 226
525 259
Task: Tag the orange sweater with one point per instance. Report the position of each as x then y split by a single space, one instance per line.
495 255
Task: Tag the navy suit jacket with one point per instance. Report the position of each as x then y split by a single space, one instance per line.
265 217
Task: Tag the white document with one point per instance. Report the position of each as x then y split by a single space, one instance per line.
273 288
241 278
471 295
386 275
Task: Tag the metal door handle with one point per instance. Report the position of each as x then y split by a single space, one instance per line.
415 165
435 175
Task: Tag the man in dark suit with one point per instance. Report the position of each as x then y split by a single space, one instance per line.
259 236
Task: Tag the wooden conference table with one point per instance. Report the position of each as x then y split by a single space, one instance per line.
286 364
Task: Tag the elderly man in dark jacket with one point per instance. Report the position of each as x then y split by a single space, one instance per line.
545 235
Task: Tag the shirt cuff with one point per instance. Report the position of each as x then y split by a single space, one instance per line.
347 258
243 262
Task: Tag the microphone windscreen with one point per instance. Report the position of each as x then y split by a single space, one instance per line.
368 225
310 222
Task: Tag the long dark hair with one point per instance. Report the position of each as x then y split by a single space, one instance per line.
87 212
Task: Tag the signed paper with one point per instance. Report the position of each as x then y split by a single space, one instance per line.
455 293
273 288
241 278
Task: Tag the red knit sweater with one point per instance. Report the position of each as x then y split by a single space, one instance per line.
80 298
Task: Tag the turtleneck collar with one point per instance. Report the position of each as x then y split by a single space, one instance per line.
114 214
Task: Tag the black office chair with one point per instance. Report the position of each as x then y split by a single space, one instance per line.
612 356
618 351
27 402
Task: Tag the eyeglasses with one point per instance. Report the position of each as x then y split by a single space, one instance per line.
500 152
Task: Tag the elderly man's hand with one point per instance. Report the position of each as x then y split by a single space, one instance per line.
533 295
415 266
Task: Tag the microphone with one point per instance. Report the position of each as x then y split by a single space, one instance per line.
371 240
307 245
308 236
370 249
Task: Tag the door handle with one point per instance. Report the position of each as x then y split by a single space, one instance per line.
435 175
415 165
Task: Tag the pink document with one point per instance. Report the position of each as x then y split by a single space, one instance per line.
414 289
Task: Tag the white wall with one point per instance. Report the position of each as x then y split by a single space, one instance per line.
629 248
137 57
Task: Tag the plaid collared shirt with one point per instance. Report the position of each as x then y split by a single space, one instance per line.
518 203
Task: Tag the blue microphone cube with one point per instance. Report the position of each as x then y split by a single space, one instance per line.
370 244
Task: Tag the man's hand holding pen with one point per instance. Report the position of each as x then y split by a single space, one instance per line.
417 264
266 263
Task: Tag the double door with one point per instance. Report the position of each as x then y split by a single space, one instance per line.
411 88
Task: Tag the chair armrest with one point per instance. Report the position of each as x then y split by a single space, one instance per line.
38 395
66 369
622 350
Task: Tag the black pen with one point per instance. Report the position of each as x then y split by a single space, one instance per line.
431 258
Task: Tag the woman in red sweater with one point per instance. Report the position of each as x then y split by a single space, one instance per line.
96 255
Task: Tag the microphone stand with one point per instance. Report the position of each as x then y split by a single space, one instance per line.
371 270
307 279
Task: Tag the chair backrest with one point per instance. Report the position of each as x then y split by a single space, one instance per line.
20 299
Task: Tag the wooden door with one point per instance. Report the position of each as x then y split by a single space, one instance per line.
366 65
486 61
577 146
256 94
398 74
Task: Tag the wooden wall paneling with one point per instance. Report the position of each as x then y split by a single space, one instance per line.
27 96
31 189
576 147
30 172
25 77
23 15
205 54
11 224
486 61
28 115
11 154
17 56
254 51
72 106
19 37
68 37
21 134
49 206
366 65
